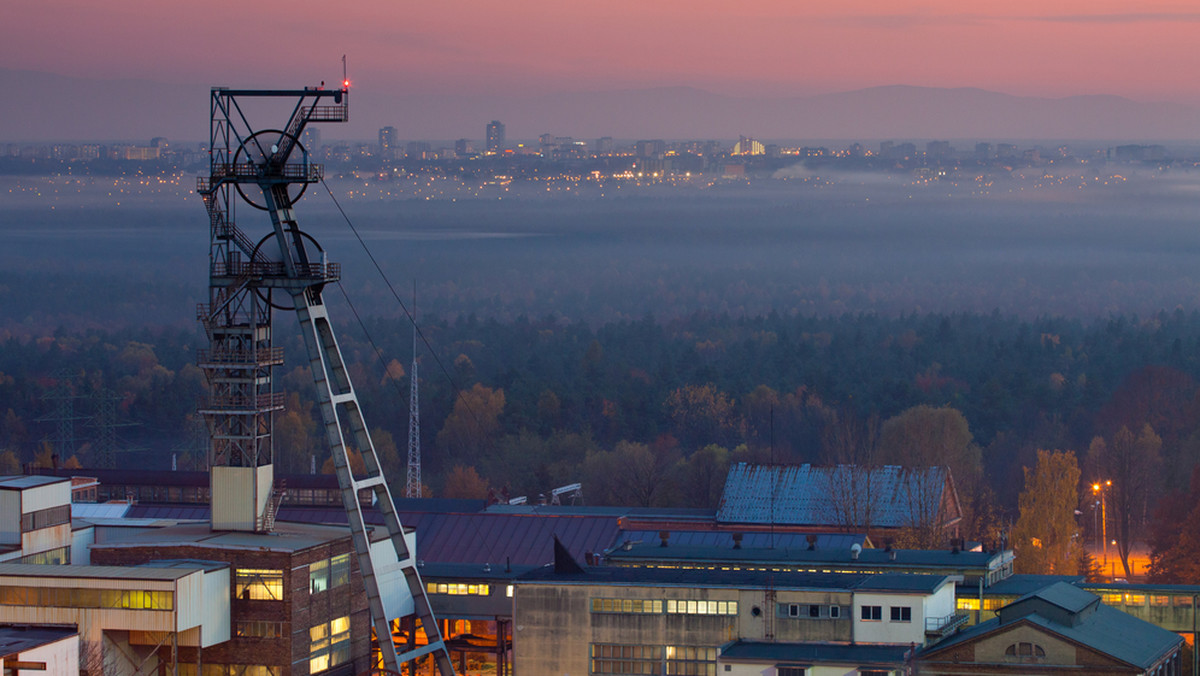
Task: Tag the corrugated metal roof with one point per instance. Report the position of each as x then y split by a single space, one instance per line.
20 482
1105 630
742 579
104 510
724 539
99 572
807 495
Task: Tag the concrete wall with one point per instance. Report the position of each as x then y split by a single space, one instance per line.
885 630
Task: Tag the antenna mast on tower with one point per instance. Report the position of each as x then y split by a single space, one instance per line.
413 487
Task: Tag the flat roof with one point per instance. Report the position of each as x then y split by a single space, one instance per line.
880 558
287 537
94 572
21 482
17 638
689 577
814 653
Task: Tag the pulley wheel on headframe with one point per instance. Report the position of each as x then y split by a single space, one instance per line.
267 249
260 149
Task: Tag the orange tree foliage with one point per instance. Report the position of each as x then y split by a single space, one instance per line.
1044 535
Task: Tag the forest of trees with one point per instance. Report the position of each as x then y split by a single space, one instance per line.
650 413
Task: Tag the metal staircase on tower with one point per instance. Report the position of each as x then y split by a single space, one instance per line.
286 269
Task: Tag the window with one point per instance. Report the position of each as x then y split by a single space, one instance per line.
1135 599
835 612
257 629
610 658
680 607
872 613
1160 600
329 644
901 614
339 570
1024 652
790 671
318 576
1111 599
53 557
258 584
814 611
691 661
458 589
45 518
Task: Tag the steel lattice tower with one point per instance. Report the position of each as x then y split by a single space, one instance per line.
413 487
286 269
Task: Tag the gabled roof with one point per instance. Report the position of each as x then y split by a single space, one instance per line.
806 495
1104 630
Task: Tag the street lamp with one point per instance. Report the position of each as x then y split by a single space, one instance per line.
1101 489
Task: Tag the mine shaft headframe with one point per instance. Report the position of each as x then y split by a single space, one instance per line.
241 151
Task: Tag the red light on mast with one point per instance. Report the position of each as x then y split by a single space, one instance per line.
345 84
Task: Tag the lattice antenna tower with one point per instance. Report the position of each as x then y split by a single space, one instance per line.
106 424
286 269
64 416
413 486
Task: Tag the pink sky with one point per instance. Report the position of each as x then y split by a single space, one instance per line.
1145 50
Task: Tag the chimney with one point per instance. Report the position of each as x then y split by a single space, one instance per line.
664 535
737 540
812 541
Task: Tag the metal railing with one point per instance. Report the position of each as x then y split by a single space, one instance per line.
945 625
262 357
310 173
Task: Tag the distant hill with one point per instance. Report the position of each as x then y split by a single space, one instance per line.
44 107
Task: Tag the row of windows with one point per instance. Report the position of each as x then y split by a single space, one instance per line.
65 597
258 584
328 573
875 613
670 606
1109 599
811 611
459 589
329 644
801 671
608 658
53 557
45 518
258 629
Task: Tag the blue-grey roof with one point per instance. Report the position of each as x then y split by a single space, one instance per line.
724 539
1105 630
1063 595
807 495
815 653
740 579
21 481
473 538
905 559
17 638
1022 584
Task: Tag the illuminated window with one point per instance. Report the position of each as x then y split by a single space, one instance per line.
258 629
691 660
682 607
458 589
1111 599
967 604
1135 599
258 584
1160 600
329 644
339 570
626 659
318 576
508 591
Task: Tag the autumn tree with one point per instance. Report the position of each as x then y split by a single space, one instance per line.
471 427
1175 536
463 482
851 446
702 475
9 463
631 475
1044 536
1132 464
925 436
702 415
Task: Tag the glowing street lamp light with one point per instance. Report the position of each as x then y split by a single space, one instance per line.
1102 490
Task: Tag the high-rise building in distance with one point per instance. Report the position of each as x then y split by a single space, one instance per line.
495 137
